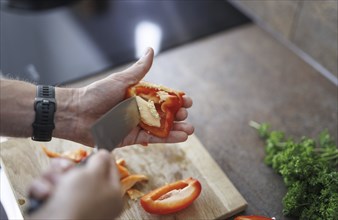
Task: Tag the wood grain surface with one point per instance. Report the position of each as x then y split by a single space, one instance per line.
23 160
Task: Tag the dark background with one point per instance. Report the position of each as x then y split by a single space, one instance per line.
50 42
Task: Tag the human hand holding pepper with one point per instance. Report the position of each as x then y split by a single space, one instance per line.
78 108
92 101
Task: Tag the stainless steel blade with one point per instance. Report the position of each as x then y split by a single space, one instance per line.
116 124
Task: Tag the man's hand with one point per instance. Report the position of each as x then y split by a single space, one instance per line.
99 97
78 108
91 191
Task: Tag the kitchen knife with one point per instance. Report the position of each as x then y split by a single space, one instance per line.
116 124
108 131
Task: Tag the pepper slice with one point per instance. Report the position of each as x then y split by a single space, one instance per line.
134 194
252 217
123 171
172 197
131 180
75 155
79 154
167 102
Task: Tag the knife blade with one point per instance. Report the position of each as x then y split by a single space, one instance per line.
109 130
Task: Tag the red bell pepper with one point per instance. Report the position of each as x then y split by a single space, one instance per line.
172 197
167 102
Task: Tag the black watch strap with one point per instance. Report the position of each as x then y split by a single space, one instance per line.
45 107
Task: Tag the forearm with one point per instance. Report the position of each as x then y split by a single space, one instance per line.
17 109
66 115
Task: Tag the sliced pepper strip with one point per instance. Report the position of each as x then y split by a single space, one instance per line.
50 153
123 171
134 194
75 155
172 197
127 181
121 162
80 154
167 102
130 181
252 217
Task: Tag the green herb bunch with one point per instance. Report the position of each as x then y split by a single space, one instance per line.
310 172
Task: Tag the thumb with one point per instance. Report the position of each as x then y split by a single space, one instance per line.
138 70
99 163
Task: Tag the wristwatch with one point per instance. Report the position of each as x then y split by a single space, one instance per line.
45 107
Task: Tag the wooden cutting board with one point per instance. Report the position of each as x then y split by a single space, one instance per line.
23 160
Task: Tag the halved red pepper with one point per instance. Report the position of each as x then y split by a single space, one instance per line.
172 197
167 102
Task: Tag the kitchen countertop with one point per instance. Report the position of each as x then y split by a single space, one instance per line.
241 75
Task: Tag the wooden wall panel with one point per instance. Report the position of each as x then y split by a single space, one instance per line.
279 15
316 32
310 25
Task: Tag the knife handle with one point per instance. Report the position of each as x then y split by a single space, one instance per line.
34 204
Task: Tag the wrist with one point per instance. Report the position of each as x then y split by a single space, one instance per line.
44 107
17 108
65 118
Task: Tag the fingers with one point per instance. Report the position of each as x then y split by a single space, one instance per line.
61 165
173 137
179 133
181 114
138 70
187 102
183 126
57 167
100 163
42 187
176 136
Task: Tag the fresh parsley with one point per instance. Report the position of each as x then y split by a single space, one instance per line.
309 169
